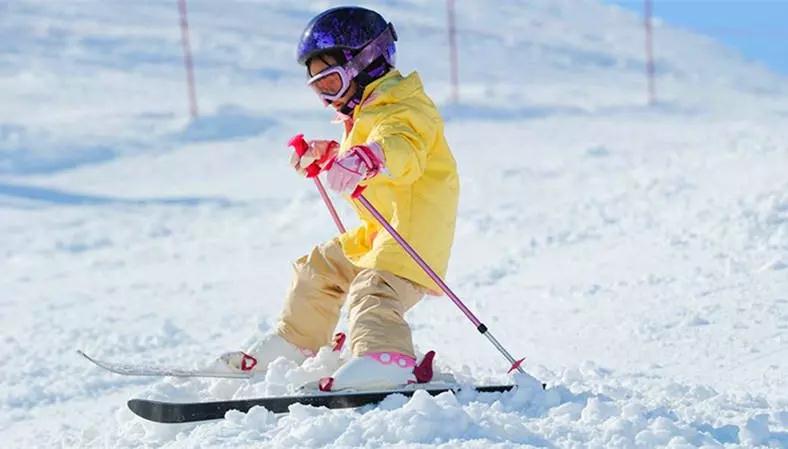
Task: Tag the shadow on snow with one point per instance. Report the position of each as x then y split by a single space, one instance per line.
59 197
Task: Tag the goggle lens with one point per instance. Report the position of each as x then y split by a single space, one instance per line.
329 84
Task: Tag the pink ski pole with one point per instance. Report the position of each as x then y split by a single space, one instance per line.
300 146
329 205
434 276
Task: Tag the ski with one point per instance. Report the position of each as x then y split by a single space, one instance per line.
175 412
126 369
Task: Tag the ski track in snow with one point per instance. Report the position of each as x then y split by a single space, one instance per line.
637 256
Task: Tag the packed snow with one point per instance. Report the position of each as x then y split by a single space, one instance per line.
637 256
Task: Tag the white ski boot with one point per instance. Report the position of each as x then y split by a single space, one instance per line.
379 371
262 353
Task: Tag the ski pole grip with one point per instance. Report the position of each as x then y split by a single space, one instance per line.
299 144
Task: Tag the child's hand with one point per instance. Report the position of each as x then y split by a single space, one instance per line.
310 157
360 163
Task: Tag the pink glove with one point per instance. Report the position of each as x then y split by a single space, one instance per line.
359 163
311 156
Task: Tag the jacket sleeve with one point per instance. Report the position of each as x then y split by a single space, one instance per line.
404 146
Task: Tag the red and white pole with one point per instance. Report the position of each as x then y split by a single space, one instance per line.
453 58
647 10
187 59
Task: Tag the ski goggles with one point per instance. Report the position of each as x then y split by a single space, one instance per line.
332 83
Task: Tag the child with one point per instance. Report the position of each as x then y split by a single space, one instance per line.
393 146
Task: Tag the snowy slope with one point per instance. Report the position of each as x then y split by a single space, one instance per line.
637 256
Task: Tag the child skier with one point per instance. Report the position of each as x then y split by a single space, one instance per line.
393 147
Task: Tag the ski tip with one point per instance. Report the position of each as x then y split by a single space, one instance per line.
135 405
152 411
89 358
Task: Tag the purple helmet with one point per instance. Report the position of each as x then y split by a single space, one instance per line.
346 29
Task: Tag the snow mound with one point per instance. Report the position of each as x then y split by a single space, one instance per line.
616 413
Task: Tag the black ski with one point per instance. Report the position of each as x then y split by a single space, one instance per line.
174 412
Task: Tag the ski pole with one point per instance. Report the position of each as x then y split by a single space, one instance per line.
329 205
431 273
300 146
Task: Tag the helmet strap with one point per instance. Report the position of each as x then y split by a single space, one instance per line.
355 100
381 67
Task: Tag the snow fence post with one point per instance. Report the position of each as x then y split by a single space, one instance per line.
187 58
453 58
647 24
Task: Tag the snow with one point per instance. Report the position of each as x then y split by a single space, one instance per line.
638 256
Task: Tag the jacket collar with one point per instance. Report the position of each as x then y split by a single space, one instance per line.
390 87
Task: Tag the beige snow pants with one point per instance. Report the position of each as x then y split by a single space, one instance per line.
377 301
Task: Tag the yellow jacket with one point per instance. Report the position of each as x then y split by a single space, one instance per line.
418 190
